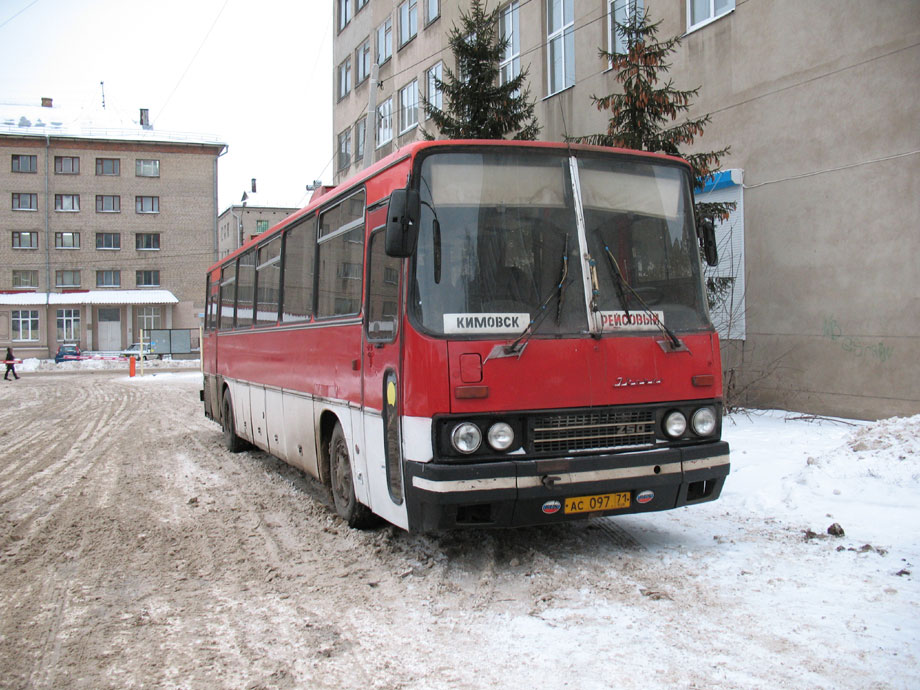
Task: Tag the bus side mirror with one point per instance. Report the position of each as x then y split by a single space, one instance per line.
402 223
706 231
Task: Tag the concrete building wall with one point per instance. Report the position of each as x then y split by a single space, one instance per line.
819 104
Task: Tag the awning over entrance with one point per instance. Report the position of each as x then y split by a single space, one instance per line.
89 297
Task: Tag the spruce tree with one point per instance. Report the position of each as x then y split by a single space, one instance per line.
477 106
641 116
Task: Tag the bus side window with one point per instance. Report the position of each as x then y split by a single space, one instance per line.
227 296
340 265
299 247
383 291
268 282
245 288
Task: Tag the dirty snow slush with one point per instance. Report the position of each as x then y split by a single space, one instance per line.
136 552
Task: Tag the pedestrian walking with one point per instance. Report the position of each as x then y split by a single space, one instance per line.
10 362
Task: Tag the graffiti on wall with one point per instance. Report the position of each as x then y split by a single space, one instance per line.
858 348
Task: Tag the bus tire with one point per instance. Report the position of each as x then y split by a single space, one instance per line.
347 506
233 442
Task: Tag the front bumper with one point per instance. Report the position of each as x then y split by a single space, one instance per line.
533 492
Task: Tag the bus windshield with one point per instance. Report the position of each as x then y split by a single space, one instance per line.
513 237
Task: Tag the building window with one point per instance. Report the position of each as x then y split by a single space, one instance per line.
384 122
25 325
510 31
385 41
25 240
261 226
620 13
344 150
108 166
432 10
432 77
361 4
108 240
147 240
349 271
108 203
363 61
25 201
147 167
344 13
408 21
147 204
66 165
67 279
560 38
68 325
345 78
66 202
147 279
24 164
360 135
700 12
108 278
408 106
148 318
25 279
67 240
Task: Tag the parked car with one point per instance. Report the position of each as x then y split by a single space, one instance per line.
135 351
67 352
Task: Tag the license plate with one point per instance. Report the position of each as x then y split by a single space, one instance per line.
591 504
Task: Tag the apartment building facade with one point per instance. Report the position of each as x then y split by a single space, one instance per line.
818 104
107 228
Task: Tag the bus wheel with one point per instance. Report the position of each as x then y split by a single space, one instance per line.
343 488
233 442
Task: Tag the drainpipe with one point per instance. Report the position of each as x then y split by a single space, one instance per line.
370 122
239 228
47 246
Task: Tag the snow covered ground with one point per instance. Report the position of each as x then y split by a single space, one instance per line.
242 577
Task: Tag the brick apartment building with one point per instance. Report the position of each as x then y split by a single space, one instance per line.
107 228
815 100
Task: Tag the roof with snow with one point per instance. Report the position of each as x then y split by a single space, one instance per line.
28 299
87 123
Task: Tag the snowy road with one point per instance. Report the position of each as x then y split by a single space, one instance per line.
136 552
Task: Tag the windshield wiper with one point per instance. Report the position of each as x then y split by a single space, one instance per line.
622 285
517 347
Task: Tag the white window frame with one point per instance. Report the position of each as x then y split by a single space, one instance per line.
432 10
385 122
148 318
385 41
345 13
408 107
433 94
24 323
146 167
363 61
727 6
360 136
408 21
617 10
560 37
509 26
68 325
344 150
344 73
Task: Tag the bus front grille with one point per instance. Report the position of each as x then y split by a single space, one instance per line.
595 430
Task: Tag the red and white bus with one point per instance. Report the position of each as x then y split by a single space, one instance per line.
479 333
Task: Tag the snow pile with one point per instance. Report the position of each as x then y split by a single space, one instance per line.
33 364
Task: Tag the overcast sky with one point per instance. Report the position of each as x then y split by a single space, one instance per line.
258 75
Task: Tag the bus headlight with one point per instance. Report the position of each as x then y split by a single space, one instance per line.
704 421
675 424
466 438
501 436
